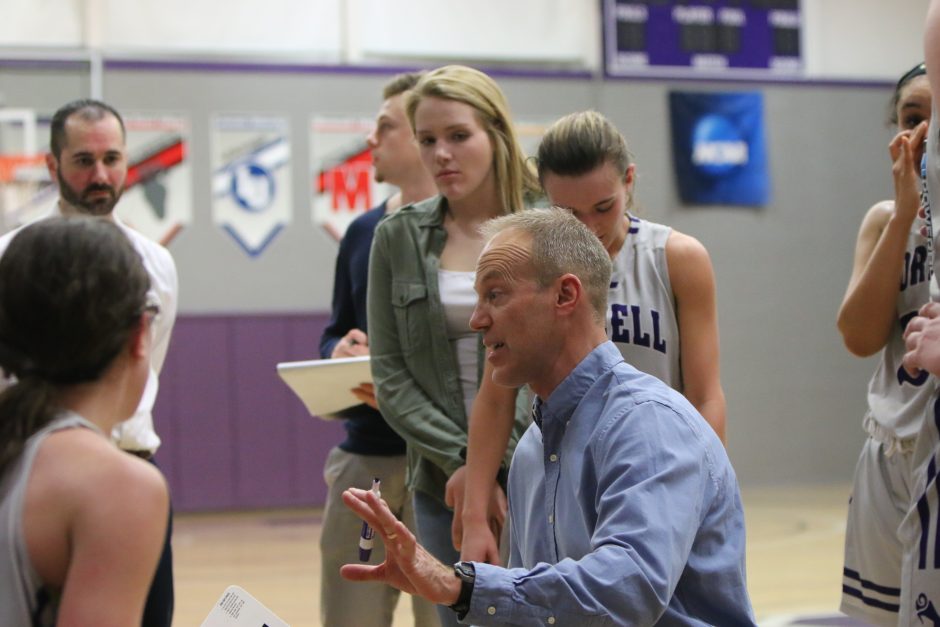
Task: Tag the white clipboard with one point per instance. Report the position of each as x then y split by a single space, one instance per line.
324 384
237 608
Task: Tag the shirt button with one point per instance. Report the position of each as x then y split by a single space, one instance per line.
553 457
491 610
551 518
551 620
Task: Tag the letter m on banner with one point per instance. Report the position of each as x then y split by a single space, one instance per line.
341 173
348 183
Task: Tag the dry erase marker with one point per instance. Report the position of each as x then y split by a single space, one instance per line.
368 533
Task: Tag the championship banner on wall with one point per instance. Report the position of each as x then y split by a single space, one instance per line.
158 194
343 186
251 181
718 148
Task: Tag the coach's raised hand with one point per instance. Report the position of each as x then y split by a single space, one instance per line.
407 566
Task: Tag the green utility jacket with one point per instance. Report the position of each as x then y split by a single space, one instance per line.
413 367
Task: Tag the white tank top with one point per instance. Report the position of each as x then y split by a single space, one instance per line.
641 308
458 299
22 595
896 400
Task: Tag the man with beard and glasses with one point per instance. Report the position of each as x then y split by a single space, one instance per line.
88 160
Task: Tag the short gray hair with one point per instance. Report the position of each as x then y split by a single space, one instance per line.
561 244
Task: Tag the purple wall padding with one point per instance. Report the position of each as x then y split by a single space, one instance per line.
234 435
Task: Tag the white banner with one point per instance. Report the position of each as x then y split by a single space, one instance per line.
251 180
342 183
158 196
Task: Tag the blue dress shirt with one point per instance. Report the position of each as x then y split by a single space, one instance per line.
624 510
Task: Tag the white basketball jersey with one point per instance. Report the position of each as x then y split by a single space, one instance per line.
898 401
641 309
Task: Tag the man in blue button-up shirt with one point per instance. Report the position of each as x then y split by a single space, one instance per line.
623 505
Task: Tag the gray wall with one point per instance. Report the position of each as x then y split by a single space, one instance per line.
795 396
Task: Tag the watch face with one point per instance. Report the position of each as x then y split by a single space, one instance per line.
465 570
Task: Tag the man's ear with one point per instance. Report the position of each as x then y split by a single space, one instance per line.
569 292
52 164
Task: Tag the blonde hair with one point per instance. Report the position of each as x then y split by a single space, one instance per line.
514 176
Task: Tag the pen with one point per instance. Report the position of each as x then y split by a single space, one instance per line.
368 533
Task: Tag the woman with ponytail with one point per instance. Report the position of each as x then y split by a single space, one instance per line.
81 522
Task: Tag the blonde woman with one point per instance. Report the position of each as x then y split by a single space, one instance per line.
426 362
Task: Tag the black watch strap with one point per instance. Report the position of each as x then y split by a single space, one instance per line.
466 573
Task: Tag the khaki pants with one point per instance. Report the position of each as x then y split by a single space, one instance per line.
346 603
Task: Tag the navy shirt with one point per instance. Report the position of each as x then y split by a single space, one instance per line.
367 433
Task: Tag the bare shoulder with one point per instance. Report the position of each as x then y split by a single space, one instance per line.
84 492
79 465
687 258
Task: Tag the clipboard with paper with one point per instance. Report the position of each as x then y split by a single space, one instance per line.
324 385
237 608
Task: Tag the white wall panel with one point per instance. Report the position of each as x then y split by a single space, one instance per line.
55 23
862 39
302 28
551 31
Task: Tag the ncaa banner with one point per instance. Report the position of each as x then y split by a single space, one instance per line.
159 187
343 186
251 193
718 149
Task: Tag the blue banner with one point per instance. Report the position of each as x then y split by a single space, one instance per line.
718 148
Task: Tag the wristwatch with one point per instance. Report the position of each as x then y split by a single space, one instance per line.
467 574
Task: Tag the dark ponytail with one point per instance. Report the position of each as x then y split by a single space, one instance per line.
72 291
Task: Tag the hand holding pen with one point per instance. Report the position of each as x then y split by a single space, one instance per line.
367 535
408 566
354 344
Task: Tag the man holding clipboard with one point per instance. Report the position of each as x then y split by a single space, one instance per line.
371 448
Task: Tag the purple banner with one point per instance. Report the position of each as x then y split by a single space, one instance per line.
735 38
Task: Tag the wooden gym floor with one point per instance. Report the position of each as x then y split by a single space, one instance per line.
794 559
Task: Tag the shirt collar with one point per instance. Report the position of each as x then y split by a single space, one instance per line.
565 398
434 216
